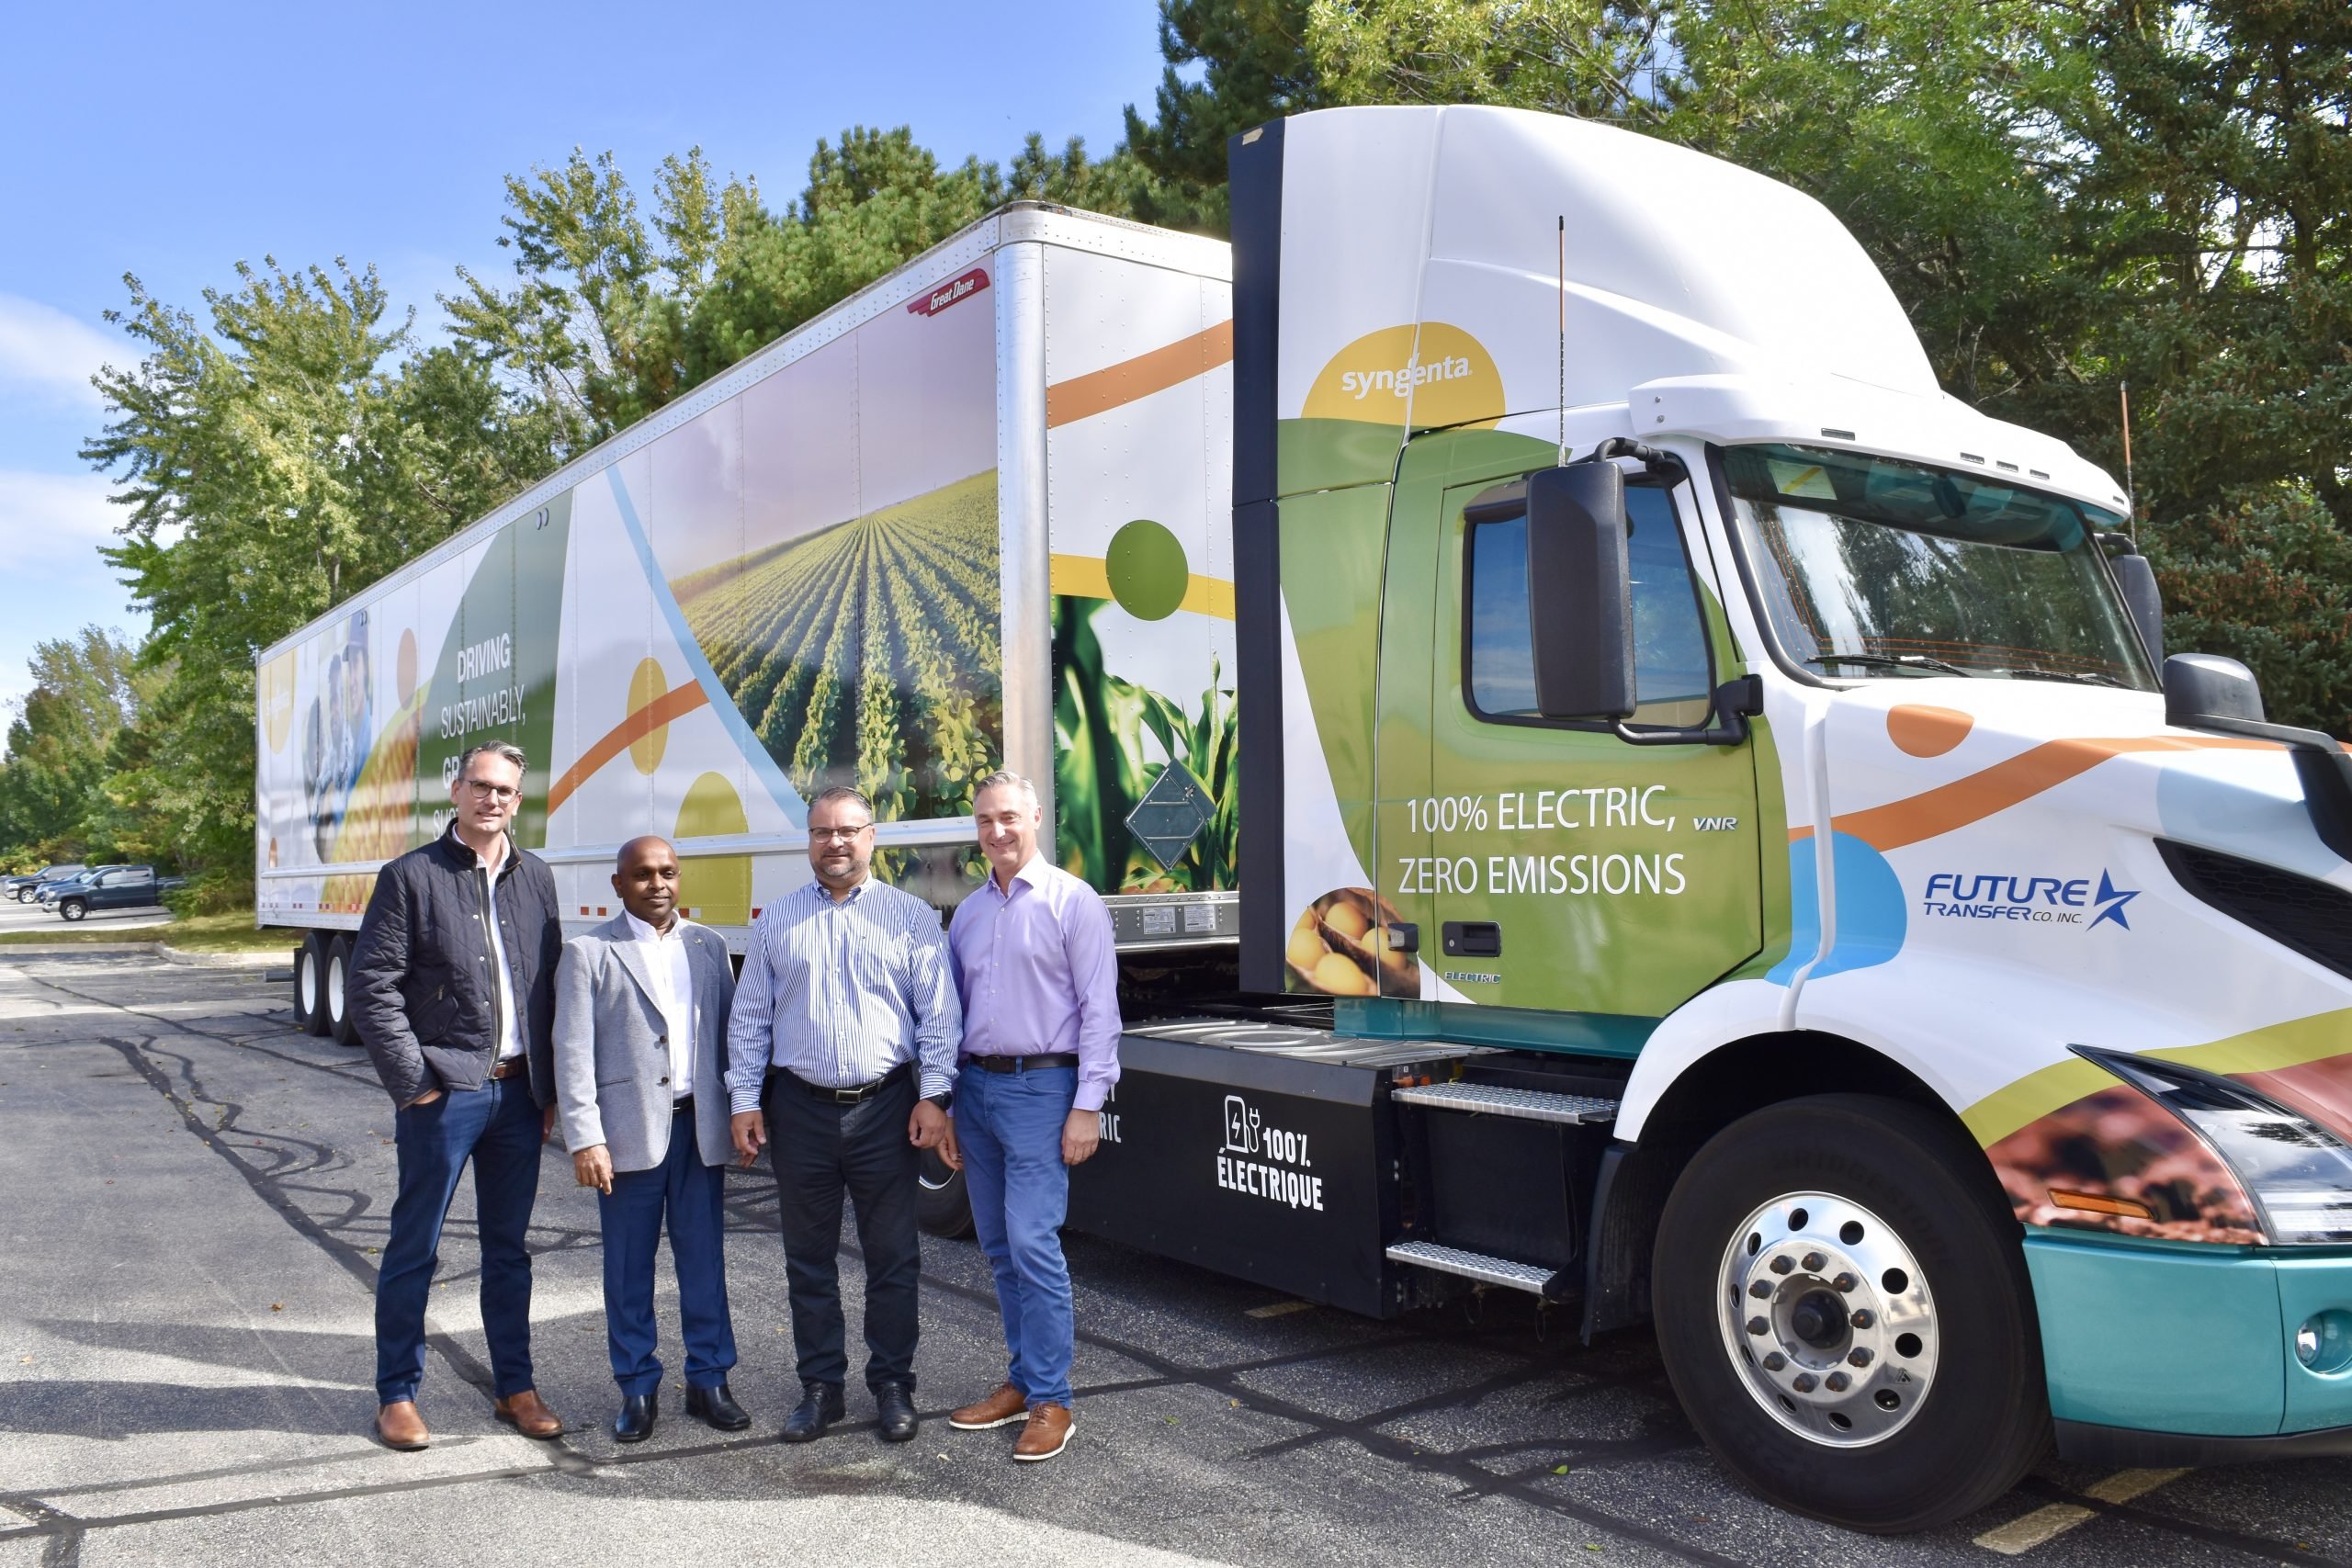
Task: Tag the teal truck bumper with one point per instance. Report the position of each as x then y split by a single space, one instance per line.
2171 1354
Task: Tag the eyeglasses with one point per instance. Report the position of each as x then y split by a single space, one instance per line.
840 835
488 791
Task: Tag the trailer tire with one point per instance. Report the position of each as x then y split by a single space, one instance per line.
310 986
943 1205
1858 1233
334 994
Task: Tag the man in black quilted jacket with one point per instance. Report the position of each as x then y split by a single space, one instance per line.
452 989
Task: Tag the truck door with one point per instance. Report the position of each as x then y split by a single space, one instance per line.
1569 870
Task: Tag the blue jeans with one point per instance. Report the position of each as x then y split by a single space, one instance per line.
497 1127
1009 1128
694 1196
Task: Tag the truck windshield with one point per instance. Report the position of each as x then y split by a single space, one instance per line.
1874 569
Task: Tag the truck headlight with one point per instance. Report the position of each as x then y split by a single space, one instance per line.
2299 1173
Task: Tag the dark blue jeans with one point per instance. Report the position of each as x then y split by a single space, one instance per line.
1009 1128
497 1127
694 1196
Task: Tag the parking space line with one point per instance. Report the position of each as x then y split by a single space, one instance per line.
2023 1534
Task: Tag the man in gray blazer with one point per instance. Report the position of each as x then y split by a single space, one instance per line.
642 1004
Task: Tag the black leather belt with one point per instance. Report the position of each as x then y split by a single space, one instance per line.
854 1095
1025 1064
684 1107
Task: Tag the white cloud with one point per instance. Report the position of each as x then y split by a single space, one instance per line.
50 520
52 356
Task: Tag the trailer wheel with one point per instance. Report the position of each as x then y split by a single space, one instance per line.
337 999
1843 1309
942 1207
310 986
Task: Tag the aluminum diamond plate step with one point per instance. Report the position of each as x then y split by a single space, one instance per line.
1535 1105
1470 1265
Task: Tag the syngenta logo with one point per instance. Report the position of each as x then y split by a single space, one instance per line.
1432 375
2038 900
1362 384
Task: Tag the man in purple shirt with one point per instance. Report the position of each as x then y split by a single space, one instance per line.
1040 988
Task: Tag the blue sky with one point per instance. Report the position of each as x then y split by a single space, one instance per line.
174 141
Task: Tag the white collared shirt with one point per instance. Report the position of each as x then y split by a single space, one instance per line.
509 1030
673 981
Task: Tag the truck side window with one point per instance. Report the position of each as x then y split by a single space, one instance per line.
1671 673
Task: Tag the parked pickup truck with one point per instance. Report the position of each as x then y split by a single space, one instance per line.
22 888
111 888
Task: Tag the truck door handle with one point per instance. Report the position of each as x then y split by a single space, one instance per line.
1473 939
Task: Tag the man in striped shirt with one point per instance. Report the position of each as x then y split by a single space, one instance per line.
839 1054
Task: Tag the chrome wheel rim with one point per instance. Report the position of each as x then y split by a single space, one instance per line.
1826 1315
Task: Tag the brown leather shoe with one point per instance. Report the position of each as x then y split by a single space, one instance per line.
1047 1432
528 1415
400 1426
1002 1408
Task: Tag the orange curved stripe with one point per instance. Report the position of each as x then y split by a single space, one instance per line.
670 704
1171 365
2020 778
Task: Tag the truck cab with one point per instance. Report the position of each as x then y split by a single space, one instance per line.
1836 932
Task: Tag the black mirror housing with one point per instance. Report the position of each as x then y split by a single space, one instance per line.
2137 579
2200 686
1580 591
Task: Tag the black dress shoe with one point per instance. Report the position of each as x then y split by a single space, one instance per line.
716 1408
820 1406
638 1412
894 1401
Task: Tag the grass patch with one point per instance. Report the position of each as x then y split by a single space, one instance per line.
230 932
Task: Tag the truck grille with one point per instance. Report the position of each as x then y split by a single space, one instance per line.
2311 916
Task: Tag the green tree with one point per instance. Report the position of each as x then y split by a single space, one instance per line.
1255 65
60 742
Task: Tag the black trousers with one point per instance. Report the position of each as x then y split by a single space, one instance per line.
818 1150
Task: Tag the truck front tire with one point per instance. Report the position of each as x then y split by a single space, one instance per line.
1843 1309
943 1208
73 909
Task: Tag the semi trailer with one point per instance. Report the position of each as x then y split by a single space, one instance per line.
1610 783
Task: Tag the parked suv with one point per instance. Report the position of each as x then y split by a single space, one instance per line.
111 888
22 888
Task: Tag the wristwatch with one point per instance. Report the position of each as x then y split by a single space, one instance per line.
944 1100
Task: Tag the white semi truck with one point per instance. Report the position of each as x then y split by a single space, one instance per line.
1609 784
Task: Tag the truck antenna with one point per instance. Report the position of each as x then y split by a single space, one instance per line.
1564 343
2131 495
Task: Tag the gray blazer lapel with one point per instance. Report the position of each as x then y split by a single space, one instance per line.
627 948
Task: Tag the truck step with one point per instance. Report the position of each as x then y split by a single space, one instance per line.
1530 1277
1535 1105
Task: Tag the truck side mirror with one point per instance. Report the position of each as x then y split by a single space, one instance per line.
2199 686
2137 579
1580 591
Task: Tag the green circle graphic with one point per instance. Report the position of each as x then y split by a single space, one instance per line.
1148 569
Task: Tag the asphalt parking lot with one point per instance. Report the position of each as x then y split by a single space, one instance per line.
195 1193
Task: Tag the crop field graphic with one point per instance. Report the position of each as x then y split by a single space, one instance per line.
868 653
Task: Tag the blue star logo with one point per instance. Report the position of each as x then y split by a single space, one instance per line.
2110 902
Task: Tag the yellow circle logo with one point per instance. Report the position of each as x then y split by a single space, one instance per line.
1426 378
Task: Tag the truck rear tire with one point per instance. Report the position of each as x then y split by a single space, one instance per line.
310 986
1843 1309
942 1207
335 994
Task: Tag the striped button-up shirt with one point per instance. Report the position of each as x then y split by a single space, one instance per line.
839 992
